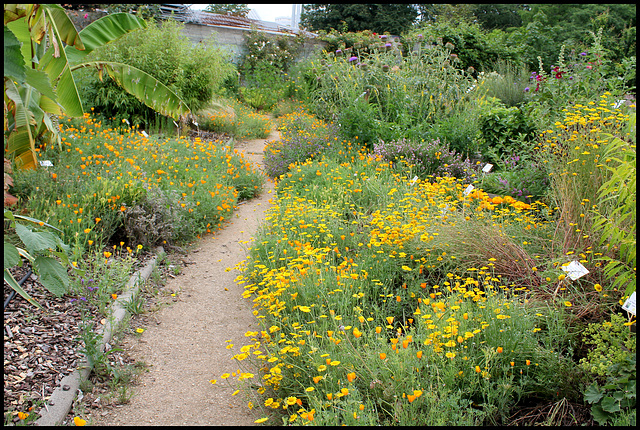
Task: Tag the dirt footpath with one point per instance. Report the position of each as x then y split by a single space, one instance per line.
188 347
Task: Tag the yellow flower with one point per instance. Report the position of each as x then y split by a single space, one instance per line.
225 375
261 420
351 376
597 287
291 400
568 304
322 368
334 363
79 421
140 330
561 277
309 389
304 308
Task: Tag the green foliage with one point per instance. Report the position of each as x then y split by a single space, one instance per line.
503 131
473 46
612 343
548 26
375 92
615 402
381 18
425 159
505 81
262 51
41 247
264 87
234 9
195 73
237 120
529 182
618 229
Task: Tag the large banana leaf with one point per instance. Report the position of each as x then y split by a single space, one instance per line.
14 65
143 86
63 26
103 31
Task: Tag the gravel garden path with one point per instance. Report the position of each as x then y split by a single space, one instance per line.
185 347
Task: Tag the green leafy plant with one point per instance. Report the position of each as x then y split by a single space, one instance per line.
618 229
503 131
40 248
614 402
612 344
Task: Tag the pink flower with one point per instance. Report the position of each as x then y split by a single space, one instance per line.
589 67
86 15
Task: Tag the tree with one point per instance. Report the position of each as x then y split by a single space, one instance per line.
491 16
381 18
456 13
231 9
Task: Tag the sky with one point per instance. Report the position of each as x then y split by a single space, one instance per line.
267 12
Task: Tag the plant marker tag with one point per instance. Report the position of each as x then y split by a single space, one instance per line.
144 133
127 121
487 168
195 123
444 211
616 106
575 270
46 163
630 304
413 181
176 124
468 190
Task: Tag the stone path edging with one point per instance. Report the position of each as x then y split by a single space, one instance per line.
56 409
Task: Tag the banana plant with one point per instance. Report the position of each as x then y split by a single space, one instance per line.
41 249
42 50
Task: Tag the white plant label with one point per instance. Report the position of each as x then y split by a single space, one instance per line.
175 123
413 181
195 123
487 168
630 304
468 190
144 133
127 121
46 163
575 270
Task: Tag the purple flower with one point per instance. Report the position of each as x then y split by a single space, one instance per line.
352 59
338 51
387 45
583 54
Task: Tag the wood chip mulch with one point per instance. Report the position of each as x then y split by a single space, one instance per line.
41 346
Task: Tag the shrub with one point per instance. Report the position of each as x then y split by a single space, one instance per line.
425 159
525 180
503 131
194 73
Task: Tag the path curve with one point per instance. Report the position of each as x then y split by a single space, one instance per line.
188 346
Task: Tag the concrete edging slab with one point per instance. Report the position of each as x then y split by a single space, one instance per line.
56 409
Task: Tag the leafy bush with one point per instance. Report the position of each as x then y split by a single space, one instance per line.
503 131
524 180
194 73
425 159
612 343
